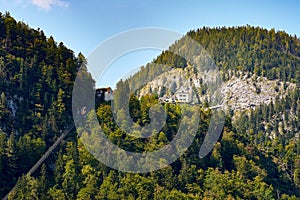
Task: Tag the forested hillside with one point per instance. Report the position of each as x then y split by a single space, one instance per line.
37 76
256 157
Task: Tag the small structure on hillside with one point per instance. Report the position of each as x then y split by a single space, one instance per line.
183 95
104 94
166 99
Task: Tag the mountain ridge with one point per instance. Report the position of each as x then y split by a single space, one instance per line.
244 163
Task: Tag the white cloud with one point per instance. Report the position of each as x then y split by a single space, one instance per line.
48 4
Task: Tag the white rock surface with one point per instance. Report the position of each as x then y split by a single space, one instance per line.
238 93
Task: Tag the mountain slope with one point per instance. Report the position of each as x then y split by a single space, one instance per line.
37 76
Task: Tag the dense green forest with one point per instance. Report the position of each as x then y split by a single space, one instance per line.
257 156
251 50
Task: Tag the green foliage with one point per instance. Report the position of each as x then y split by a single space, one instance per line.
28 189
37 75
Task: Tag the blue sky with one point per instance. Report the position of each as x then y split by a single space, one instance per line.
83 24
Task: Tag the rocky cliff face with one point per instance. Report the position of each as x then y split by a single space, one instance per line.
239 92
243 93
